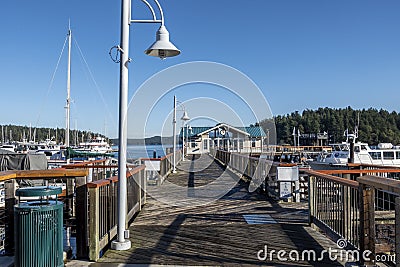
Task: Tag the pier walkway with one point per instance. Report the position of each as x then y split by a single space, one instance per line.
204 229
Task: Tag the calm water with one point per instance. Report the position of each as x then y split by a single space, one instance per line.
135 152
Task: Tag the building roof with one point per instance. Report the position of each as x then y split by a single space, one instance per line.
254 131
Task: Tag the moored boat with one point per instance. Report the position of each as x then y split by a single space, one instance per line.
385 154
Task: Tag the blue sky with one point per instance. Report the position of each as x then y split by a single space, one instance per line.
302 54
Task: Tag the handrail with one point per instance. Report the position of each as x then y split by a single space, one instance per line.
40 174
342 181
380 183
357 165
362 171
159 159
92 167
81 164
114 179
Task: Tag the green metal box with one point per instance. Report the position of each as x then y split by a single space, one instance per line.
38 228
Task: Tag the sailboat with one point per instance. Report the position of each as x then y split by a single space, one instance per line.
98 148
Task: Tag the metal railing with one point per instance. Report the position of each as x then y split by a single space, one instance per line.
334 205
251 167
382 217
98 169
362 208
263 172
99 222
165 166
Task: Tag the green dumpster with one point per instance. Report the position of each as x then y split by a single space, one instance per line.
38 228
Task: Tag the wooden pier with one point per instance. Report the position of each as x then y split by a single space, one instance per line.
215 220
228 231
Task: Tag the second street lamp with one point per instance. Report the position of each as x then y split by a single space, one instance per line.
184 119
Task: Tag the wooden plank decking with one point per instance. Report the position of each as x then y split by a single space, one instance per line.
216 233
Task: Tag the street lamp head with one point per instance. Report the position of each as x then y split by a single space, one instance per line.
185 116
162 47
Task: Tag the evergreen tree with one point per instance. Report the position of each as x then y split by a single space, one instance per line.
375 126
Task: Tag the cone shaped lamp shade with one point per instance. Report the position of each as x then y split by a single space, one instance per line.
185 116
162 47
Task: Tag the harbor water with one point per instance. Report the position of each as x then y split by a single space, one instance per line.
149 151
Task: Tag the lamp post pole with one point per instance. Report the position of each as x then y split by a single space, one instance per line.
174 136
187 137
162 48
184 119
121 243
183 141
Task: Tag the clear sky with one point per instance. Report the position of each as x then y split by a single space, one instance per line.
302 54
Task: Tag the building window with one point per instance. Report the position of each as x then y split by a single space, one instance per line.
241 144
253 143
205 144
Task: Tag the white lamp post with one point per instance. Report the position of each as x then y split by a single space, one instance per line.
162 48
189 129
184 119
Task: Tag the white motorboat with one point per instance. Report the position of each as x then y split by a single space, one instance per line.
48 147
385 154
96 145
8 147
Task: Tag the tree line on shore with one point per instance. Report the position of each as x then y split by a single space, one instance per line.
374 126
10 133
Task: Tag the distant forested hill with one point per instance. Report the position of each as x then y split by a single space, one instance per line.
375 126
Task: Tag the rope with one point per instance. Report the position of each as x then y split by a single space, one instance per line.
51 81
94 81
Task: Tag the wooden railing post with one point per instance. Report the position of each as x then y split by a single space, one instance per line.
346 219
81 221
367 221
94 224
144 186
70 191
10 187
311 201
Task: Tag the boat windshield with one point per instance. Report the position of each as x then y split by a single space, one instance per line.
340 155
340 147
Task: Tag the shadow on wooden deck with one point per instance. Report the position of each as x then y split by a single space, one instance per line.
228 231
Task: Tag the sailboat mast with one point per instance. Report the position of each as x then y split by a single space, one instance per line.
68 89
